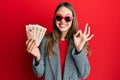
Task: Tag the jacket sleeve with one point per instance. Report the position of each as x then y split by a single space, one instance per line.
39 68
81 63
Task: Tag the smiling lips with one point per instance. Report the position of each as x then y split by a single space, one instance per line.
62 26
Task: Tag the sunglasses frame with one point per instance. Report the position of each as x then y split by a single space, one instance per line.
64 17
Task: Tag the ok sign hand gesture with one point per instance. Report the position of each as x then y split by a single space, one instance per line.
81 38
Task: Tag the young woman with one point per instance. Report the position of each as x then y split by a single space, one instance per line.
63 53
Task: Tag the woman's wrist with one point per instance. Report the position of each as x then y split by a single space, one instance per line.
79 48
37 59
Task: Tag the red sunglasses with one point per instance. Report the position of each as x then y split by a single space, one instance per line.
66 18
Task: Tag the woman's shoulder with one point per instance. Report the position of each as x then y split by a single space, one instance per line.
47 36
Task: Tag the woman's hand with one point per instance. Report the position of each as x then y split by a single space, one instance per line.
32 48
81 38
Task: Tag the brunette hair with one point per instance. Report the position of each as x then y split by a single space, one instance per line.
54 36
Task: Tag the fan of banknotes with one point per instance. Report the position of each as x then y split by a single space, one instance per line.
36 32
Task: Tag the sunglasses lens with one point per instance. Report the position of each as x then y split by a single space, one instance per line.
68 19
59 18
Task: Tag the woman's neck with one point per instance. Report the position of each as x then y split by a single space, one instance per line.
63 35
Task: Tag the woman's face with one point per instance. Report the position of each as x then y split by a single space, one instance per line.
64 19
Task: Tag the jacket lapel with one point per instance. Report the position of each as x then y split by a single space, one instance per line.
68 62
55 63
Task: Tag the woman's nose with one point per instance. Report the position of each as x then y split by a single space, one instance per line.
63 20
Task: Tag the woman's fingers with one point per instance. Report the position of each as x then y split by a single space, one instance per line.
90 37
87 30
88 34
31 42
86 26
78 33
28 41
31 47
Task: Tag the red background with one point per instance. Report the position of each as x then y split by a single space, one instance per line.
102 15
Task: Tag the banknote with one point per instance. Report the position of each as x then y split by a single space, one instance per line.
35 32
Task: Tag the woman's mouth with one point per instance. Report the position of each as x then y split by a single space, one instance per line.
62 26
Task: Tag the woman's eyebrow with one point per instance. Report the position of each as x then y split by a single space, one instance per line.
68 13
